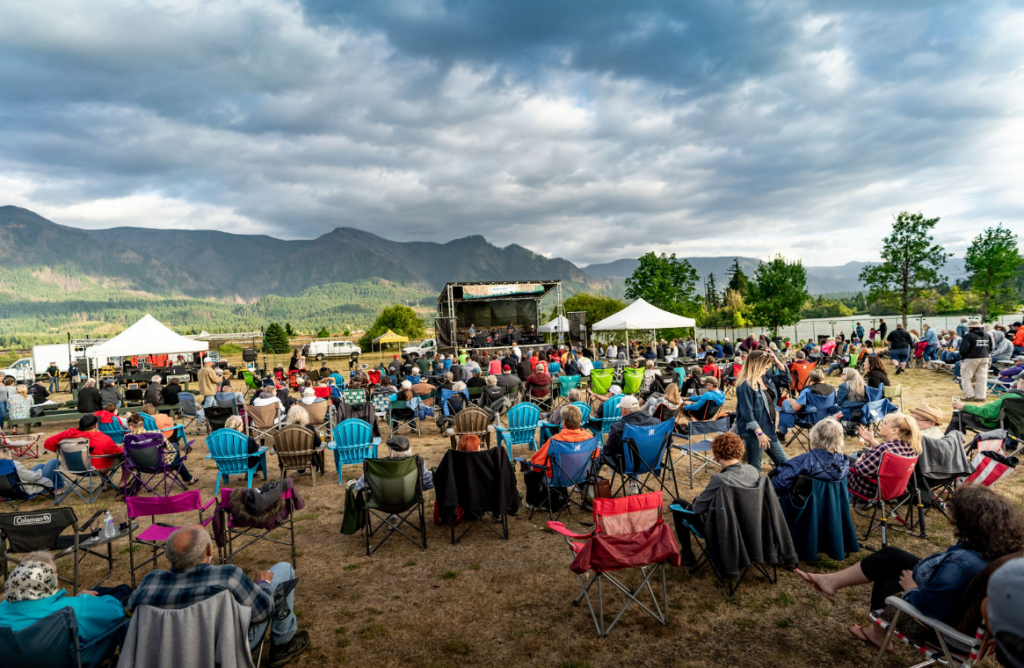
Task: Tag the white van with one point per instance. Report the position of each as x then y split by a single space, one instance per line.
323 349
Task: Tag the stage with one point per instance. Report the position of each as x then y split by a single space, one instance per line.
488 309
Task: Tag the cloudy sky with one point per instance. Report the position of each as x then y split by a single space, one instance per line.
592 130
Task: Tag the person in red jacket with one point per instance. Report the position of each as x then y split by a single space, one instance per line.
99 443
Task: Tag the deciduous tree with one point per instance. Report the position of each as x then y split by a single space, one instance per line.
400 319
666 282
777 293
993 262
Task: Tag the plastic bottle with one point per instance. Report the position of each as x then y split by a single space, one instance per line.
109 530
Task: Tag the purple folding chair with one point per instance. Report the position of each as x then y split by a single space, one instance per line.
157 533
147 457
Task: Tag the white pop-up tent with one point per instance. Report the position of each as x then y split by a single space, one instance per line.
640 315
559 324
146 337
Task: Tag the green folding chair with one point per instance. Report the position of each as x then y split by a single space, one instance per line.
601 380
392 494
632 380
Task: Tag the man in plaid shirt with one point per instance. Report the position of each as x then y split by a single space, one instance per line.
193 579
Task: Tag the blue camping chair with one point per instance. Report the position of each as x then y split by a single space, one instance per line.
574 467
610 414
548 429
446 395
114 430
567 384
815 410
819 519
149 422
698 450
644 449
11 490
523 420
229 450
189 412
52 642
353 442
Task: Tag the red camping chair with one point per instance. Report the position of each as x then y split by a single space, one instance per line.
293 379
374 377
322 392
894 474
919 353
629 533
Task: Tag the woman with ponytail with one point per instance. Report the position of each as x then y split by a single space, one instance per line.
901 437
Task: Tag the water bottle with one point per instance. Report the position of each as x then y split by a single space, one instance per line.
109 530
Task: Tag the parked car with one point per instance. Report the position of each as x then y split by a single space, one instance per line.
426 348
323 349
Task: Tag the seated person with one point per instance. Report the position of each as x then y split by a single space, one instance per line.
407 393
815 385
268 397
235 423
586 365
1010 374
986 525
597 414
89 400
476 380
825 461
851 394
508 378
555 417
706 404
33 593
727 449
572 432
172 389
297 415
395 366
193 579
309 397
109 414
694 381
110 394
554 367
876 376
399 448
980 417
1002 609
901 437
137 427
493 395
422 388
631 414
539 383
928 419
39 478
99 443
671 399
155 392
164 422
449 381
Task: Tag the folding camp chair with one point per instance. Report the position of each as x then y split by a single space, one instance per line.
77 474
817 409
644 455
629 533
800 374
523 420
565 385
392 494
485 489
952 649
230 527
632 380
293 445
601 380
229 450
754 504
571 468
548 429
147 457
894 475
251 386
216 418
189 412
12 491
354 397
23 446
545 400
31 530
610 414
52 642
177 431
819 519
352 443
473 420
698 450
400 416
381 403
114 430
263 421
156 534
891 392
321 417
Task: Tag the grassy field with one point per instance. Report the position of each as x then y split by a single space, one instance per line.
487 602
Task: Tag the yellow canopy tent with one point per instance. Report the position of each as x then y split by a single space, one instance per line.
389 337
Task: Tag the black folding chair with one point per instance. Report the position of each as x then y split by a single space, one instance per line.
479 487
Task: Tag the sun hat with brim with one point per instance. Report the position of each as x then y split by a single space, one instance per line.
927 412
974 323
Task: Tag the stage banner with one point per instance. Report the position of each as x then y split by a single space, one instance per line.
577 326
506 290
444 332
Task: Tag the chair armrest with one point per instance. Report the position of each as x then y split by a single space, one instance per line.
213 500
209 455
499 429
559 528
490 428
939 627
262 451
450 431
679 509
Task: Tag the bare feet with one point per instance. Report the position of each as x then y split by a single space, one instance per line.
819 582
873 635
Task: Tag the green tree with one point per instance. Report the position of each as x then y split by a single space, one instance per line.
738 280
954 301
712 299
596 307
288 329
323 333
993 263
275 339
777 293
667 283
400 319
910 264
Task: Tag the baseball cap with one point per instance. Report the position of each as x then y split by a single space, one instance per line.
614 389
629 402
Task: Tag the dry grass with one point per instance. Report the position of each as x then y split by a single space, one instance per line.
488 602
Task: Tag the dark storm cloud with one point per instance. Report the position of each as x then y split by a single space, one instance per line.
588 130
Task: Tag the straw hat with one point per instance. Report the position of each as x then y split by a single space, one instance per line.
927 412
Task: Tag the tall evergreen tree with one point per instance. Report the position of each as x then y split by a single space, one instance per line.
738 280
993 262
275 340
711 296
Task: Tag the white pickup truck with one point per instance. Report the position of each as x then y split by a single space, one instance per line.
426 348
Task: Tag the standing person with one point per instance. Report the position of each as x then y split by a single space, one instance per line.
294 361
961 329
931 337
975 355
899 341
757 393
208 383
860 331
53 373
882 329
6 388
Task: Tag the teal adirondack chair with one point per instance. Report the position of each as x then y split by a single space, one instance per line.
229 450
547 429
610 414
353 442
114 430
523 420
149 422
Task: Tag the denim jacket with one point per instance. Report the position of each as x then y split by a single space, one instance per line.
751 411
941 580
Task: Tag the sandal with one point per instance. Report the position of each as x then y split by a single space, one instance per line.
857 632
809 580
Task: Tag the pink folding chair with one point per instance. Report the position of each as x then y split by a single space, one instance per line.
156 534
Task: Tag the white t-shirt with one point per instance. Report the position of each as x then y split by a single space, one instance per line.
586 366
611 352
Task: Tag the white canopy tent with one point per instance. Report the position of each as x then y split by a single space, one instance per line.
148 336
559 324
640 315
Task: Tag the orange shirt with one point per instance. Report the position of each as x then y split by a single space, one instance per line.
540 458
